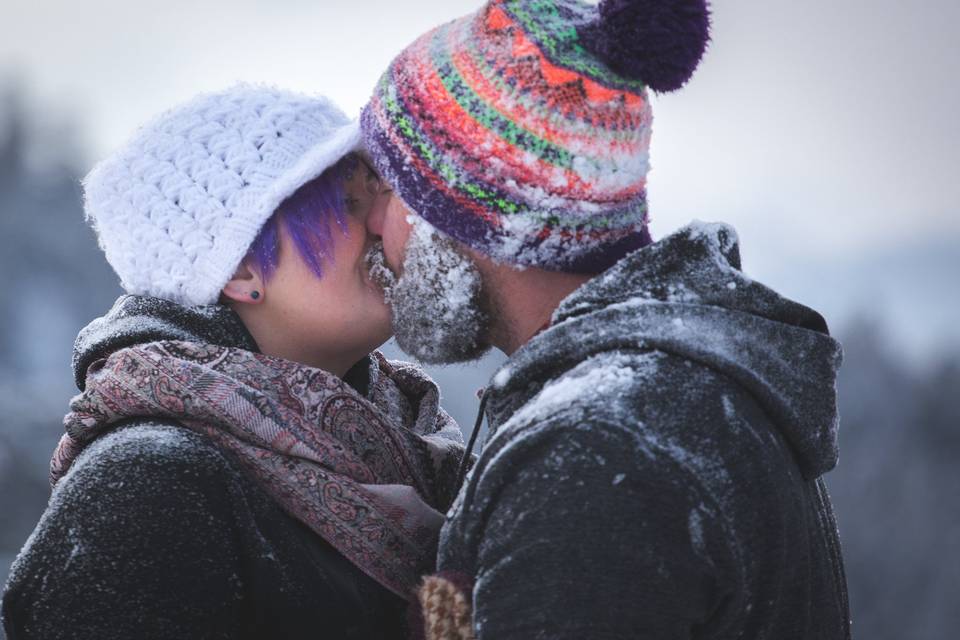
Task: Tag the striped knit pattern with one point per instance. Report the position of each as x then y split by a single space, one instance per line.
504 132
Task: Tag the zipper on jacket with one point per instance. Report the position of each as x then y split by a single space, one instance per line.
465 460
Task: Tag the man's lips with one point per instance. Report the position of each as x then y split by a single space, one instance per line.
380 273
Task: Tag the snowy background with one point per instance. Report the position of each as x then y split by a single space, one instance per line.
825 131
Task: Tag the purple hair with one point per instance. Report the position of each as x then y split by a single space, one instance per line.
306 215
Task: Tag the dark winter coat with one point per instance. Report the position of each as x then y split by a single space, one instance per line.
156 533
654 463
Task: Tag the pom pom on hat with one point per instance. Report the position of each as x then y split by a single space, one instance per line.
659 42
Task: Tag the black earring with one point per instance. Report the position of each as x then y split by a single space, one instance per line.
255 294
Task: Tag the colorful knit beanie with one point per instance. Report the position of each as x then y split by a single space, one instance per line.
523 130
177 208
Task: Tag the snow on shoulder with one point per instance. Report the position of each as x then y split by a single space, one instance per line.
606 375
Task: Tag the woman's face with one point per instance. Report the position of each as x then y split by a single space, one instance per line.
333 321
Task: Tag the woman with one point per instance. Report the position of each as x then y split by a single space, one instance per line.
240 462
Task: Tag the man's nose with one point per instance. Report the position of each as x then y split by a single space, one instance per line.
378 214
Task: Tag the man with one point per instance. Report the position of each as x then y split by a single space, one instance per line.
658 435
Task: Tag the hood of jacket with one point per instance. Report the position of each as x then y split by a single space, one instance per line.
686 295
137 320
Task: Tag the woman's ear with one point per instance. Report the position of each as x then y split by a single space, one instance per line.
246 286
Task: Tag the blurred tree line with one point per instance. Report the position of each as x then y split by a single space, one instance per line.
896 490
56 281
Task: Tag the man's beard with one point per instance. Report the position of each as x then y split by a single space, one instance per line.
437 304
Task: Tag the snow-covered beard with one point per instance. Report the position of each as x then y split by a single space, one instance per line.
437 304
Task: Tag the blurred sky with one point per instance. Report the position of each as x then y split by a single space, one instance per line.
825 131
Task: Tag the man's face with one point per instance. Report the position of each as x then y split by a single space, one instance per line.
434 290
389 218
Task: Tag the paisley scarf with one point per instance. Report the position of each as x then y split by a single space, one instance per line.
370 475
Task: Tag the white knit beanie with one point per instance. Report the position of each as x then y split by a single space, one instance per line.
177 208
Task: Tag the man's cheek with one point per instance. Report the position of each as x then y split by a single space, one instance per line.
393 252
395 243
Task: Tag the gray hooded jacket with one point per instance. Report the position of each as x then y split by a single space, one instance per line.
654 460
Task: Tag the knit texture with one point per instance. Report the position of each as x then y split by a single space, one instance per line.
507 131
445 605
177 208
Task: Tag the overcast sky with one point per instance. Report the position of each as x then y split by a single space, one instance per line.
818 128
